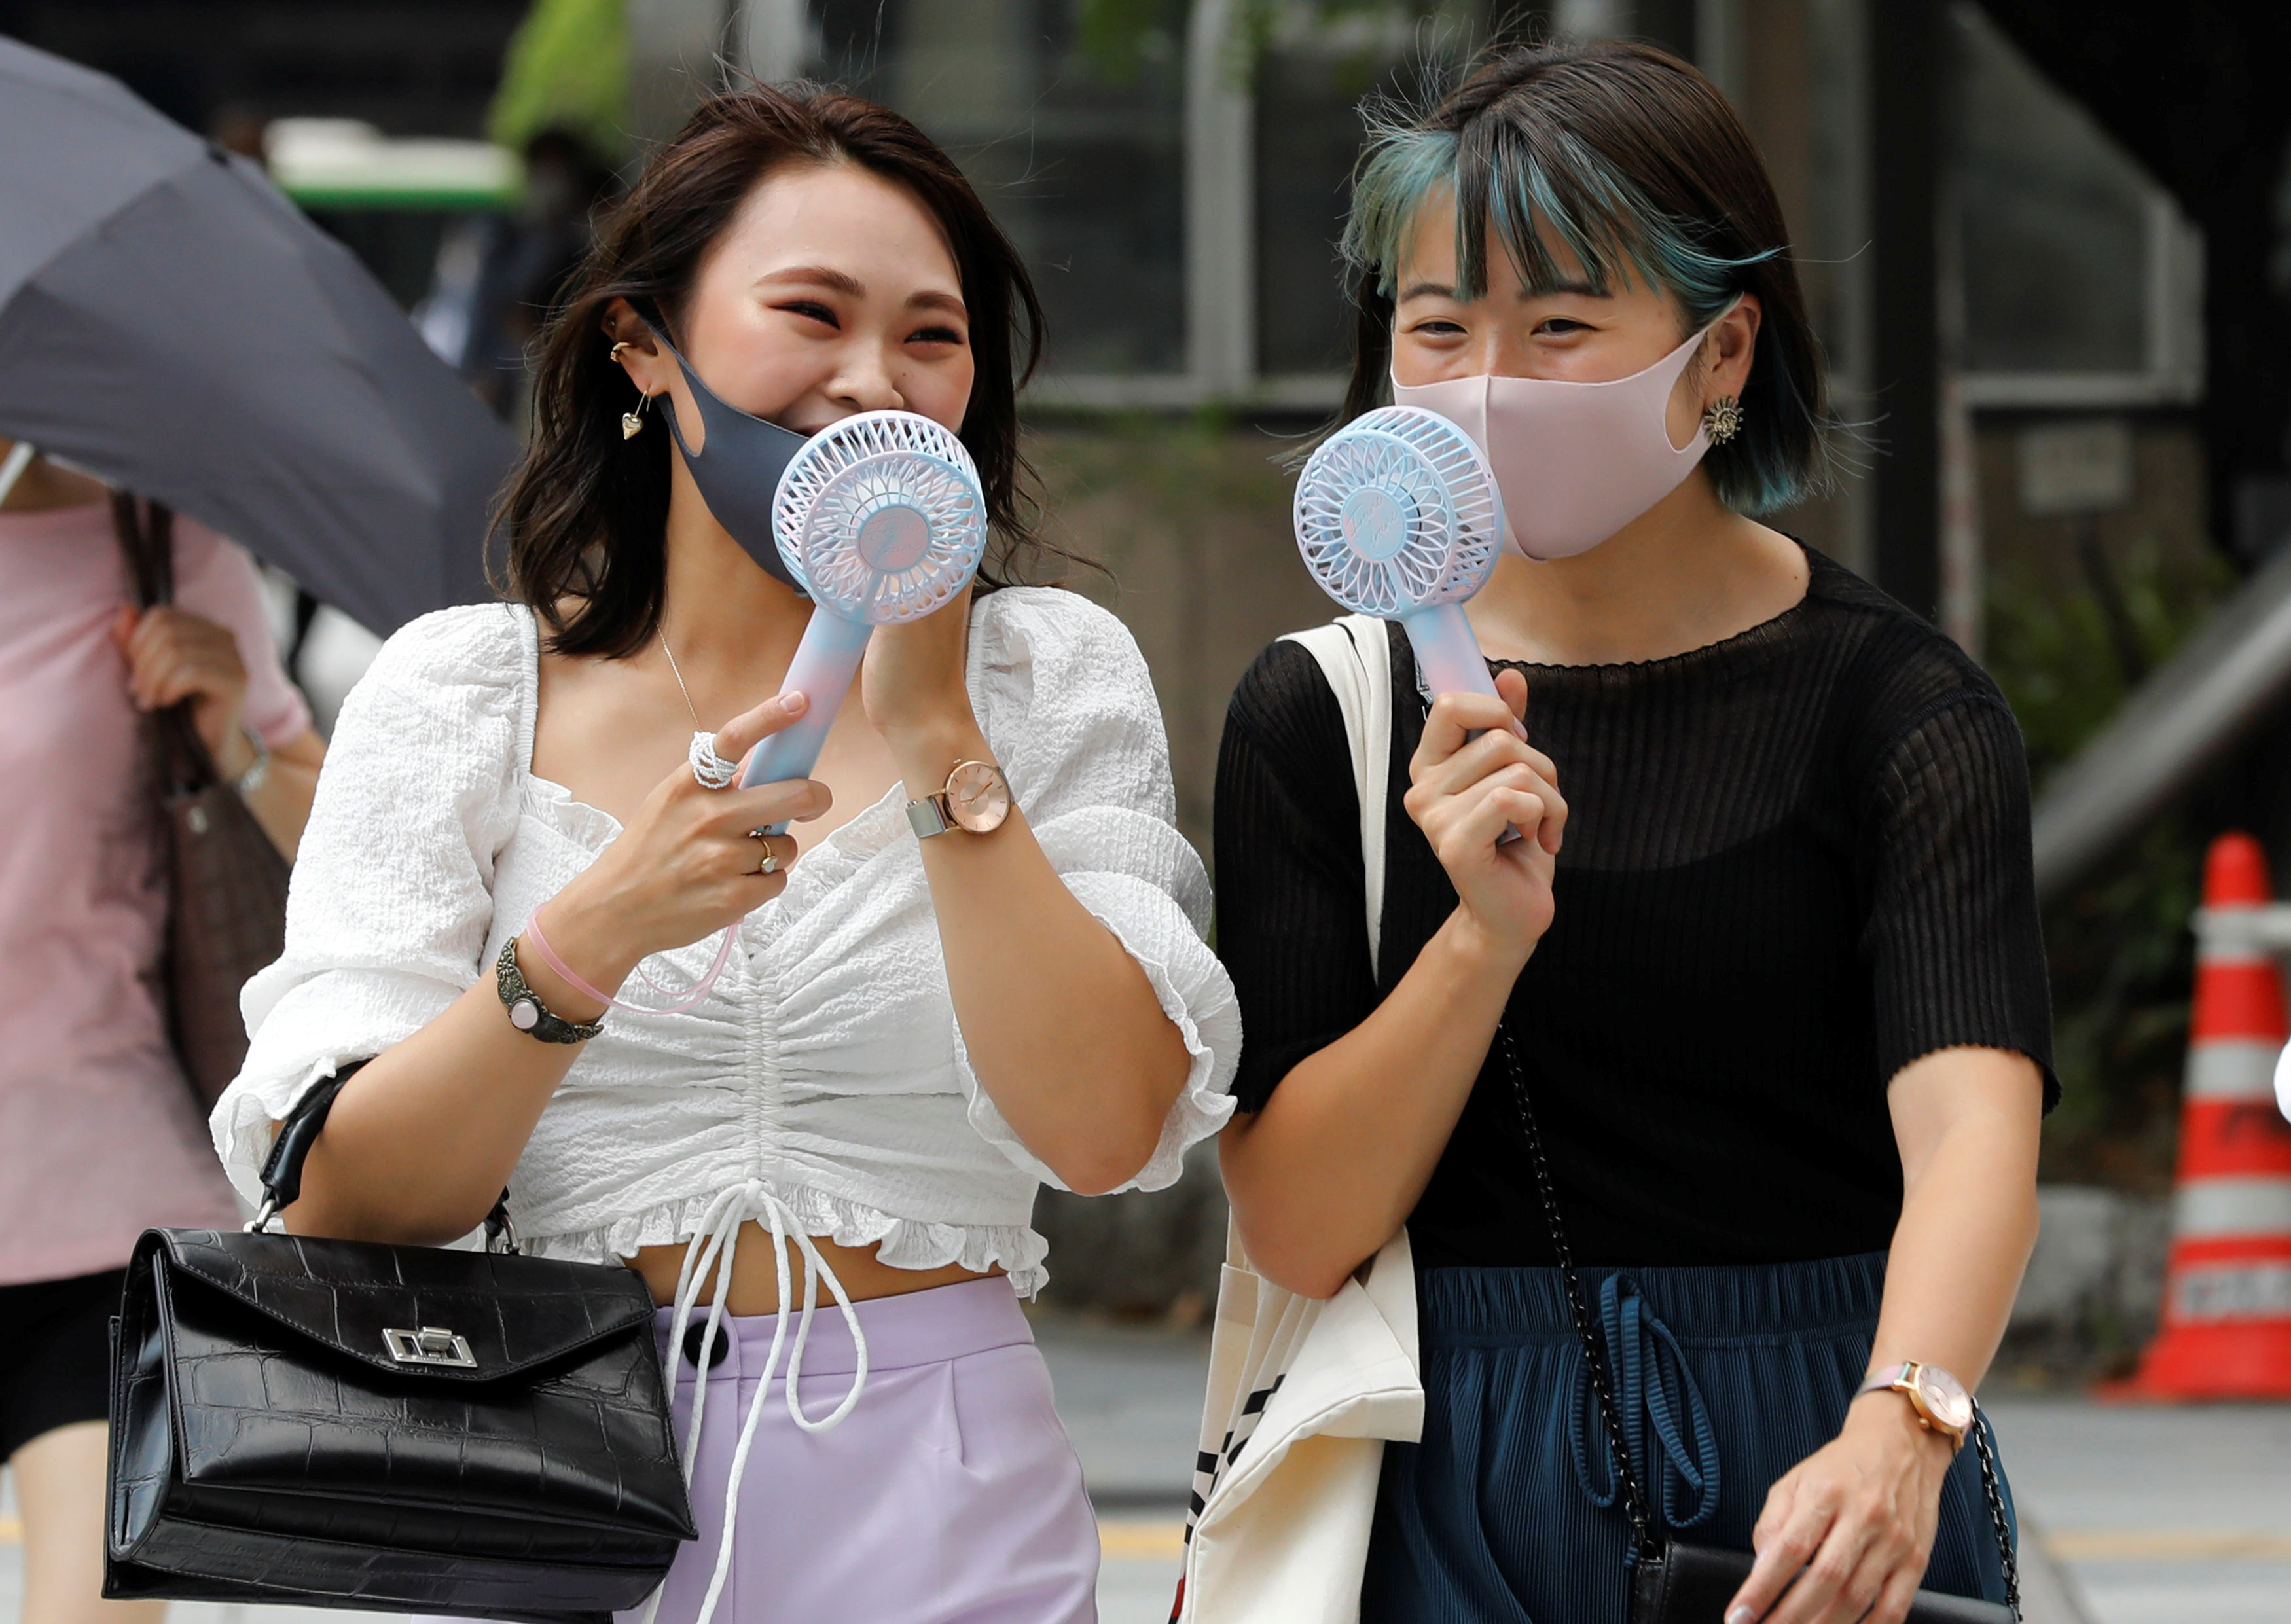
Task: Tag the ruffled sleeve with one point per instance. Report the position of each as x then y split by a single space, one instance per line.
392 893
1064 694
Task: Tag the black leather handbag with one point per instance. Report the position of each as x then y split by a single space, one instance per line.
400 1428
1673 1582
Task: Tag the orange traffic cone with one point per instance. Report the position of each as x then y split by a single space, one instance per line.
2226 1330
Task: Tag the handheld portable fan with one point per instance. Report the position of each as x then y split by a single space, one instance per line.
882 517
1398 515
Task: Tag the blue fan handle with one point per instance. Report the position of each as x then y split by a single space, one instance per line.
1447 652
1449 656
824 664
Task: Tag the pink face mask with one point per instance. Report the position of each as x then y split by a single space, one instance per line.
1575 462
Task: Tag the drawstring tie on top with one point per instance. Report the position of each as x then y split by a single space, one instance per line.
1656 1394
714 1244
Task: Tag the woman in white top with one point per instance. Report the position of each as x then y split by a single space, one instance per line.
909 1034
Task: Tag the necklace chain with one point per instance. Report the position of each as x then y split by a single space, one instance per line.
678 674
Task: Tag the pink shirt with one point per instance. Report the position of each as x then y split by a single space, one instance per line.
98 1134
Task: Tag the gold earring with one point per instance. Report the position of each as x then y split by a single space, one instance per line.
1723 420
631 422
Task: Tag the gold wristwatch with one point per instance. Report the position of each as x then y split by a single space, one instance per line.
1941 1403
977 798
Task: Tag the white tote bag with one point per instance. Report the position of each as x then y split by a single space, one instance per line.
1303 1394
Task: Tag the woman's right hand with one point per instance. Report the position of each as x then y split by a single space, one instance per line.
1463 792
688 864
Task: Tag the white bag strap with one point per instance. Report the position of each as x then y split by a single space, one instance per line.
1263 1331
1355 652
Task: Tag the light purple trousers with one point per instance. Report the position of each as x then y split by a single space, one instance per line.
949 1495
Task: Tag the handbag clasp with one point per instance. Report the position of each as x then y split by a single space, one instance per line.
431 1345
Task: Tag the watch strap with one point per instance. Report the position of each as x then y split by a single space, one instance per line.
1885 1380
928 816
516 996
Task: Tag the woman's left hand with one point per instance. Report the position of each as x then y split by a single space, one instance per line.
174 656
1853 1523
912 682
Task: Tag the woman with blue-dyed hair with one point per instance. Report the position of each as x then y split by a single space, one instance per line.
1772 1014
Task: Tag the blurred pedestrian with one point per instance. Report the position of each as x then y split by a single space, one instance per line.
100 1135
1777 1004
977 964
499 278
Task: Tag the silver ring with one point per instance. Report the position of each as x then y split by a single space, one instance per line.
712 770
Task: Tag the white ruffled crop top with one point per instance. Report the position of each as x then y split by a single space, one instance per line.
823 1075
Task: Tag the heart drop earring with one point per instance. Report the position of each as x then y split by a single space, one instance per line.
631 422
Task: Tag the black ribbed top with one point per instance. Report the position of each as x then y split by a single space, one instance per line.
1796 861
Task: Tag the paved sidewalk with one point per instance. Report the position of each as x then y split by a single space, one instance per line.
1132 1399
2160 1514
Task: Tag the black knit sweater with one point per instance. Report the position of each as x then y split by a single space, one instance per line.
1796 861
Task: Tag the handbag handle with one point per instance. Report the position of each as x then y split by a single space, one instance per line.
1595 1357
282 1169
147 536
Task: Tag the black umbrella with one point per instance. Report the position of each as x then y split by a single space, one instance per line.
172 325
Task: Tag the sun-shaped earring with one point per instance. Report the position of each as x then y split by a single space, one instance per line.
1724 420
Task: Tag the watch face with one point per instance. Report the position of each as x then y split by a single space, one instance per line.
977 796
1946 1399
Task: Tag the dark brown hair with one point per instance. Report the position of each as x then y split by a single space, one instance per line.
1642 167
585 514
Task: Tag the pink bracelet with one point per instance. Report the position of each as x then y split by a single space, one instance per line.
699 989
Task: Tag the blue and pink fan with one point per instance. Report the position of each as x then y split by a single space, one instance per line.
882 519
1398 516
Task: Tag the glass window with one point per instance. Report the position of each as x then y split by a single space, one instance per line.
1067 115
2057 224
1312 77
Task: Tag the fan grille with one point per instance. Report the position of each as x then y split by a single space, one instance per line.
881 517
1398 512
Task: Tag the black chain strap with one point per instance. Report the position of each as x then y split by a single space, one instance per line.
1594 1359
1996 1498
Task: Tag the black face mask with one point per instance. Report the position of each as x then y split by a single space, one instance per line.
738 471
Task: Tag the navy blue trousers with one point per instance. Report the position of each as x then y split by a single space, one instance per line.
1507 1513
